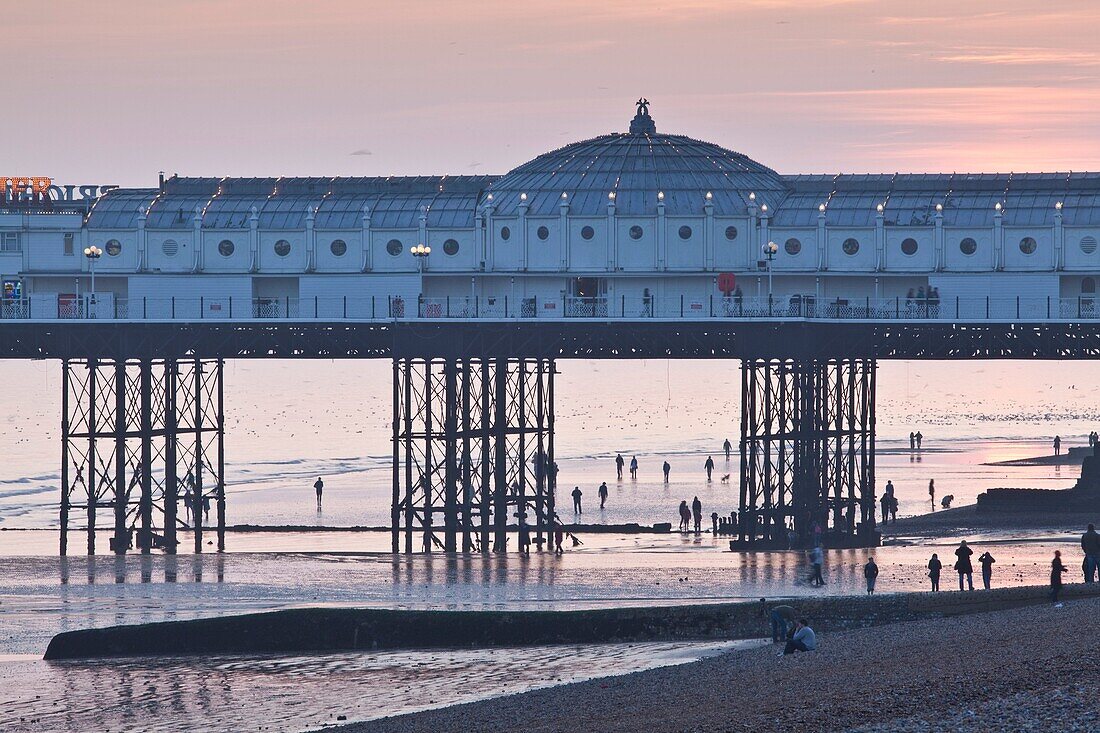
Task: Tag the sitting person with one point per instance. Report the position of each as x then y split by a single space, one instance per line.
804 639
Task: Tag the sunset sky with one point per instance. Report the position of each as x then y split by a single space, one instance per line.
114 91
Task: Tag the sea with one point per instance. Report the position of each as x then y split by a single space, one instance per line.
289 422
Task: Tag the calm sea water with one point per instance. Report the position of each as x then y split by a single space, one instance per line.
289 422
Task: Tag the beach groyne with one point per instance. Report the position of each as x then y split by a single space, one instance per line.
343 629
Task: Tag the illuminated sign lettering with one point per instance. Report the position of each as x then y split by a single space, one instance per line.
40 188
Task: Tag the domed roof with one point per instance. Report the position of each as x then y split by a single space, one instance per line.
637 166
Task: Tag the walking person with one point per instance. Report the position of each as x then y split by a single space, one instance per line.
919 438
685 516
619 462
1057 445
318 486
870 572
634 467
602 493
885 502
986 561
1056 570
709 467
559 536
727 447
912 440
577 494
934 567
1090 543
697 514
932 492
963 565
667 469
894 509
817 559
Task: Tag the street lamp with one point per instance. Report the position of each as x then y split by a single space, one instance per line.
93 253
420 252
769 251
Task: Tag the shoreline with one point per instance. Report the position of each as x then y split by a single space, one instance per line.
914 676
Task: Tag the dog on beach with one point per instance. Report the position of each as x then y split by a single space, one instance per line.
726 479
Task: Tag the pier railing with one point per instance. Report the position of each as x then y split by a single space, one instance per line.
679 307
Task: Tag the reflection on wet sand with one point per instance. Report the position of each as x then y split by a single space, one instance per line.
297 692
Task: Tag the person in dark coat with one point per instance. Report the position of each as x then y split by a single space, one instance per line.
1056 570
708 466
963 565
934 567
602 493
885 502
1090 544
697 513
870 572
986 561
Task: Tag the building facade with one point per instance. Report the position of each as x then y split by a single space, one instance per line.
633 224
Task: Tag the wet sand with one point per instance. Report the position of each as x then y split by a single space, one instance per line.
964 521
1022 669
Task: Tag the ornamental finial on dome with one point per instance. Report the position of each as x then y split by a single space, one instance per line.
643 124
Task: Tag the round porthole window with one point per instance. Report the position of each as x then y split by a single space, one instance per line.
394 247
587 232
1088 245
339 248
850 246
792 246
282 248
226 247
636 232
450 247
731 233
505 233
909 246
1028 245
968 246
170 247
113 247
543 233
685 232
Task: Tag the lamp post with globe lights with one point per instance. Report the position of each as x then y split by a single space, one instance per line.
769 250
93 253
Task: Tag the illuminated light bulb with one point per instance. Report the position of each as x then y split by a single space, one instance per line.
764 208
523 197
709 195
879 208
821 208
660 195
1058 206
611 195
752 197
939 207
998 206
564 195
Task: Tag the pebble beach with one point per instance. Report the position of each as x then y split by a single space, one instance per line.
1016 670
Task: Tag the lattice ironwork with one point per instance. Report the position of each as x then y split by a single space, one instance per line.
807 453
473 453
140 438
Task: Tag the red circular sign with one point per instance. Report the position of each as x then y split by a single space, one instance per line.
727 282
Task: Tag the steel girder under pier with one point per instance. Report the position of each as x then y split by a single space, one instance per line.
473 452
807 453
140 438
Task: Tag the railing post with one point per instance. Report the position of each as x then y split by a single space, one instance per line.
622 308
389 305
769 305
345 307
897 306
956 307
315 307
448 306
1078 306
477 306
712 305
1017 307
373 315
506 307
1048 307
987 307
231 307
173 307
563 305
202 307
681 305
144 308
